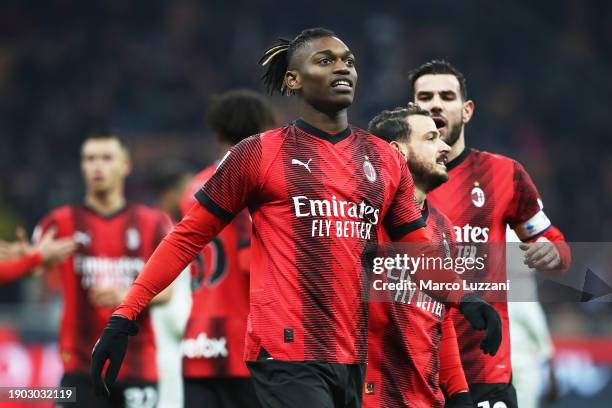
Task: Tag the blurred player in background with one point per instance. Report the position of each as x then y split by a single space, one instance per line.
169 319
114 238
532 347
19 258
485 193
213 348
413 349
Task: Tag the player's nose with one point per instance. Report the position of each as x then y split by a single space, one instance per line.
443 147
340 68
435 104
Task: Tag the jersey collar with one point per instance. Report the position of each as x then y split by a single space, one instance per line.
425 211
106 216
459 159
311 130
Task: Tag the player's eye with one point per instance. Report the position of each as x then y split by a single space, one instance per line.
350 62
423 97
325 61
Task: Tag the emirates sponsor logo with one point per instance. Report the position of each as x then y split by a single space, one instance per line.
204 347
340 218
107 272
334 208
469 233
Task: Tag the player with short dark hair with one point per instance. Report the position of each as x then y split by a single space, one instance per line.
317 189
485 193
214 371
413 353
115 238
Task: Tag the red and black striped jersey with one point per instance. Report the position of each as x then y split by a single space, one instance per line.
317 202
213 343
111 252
486 192
404 338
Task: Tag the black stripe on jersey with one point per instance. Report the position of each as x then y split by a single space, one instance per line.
404 229
311 130
213 207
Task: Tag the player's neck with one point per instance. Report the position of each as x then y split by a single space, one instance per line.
329 123
420 196
457 148
105 203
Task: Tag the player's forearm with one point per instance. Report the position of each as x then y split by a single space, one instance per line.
15 269
452 377
173 254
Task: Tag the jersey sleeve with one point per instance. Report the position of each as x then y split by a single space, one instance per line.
525 213
175 252
452 377
403 215
232 186
17 268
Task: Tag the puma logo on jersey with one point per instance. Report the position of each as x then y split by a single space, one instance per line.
296 161
82 238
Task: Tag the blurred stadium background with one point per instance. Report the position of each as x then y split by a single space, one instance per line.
540 74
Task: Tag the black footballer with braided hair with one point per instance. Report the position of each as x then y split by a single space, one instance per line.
319 69
306 343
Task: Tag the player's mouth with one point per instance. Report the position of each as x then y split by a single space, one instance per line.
441 161
440 122
342 84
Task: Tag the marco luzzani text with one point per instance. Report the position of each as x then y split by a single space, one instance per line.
398 269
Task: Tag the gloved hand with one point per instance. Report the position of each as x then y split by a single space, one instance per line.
112 346
459 400
482 316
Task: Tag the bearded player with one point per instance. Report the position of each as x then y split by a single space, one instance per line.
317 190
214 371
115 238
485 193
413 353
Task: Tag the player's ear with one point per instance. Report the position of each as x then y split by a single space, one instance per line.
293 82
127 162
128 167
398 147
468 110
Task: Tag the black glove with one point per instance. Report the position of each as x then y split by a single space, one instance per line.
459 400
112 346
482 316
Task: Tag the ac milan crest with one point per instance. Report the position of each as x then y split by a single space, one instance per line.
132 239
368 170
478 196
